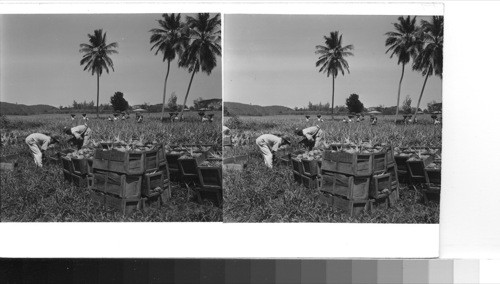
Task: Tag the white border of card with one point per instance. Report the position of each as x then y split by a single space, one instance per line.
213 239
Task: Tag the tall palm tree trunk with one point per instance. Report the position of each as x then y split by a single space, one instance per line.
420 98
187 93
399 92
97 94
333 92
165 91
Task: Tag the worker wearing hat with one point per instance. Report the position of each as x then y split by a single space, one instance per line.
268 145
39 143
314 136
81 135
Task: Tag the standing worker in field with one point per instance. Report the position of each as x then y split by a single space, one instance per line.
268 144
38 144
314 136
81 134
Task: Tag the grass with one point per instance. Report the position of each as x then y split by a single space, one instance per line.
29 194
261 195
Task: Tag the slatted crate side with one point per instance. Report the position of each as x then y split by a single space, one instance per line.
123 186
358 164
389 154
151 160
401 162
79 181
161 150
164 169
210 177
352 207
166 195
99 180
380 185
394 178
297 177
297 165
351 187
188 167
379 162
100 161
130 163
311 182
311 168
67 164
172 159
327 182
82 166
152 184
67 176
124 206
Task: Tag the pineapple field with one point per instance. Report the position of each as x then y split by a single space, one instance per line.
365 174
122 156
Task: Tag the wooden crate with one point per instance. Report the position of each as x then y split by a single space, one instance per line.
297 165
353 207
311 168
172 164
67 176
297 177
164 169
67 164
389 155
124 206
210 177
311 182
379 162
152 184
394 178
79 180
356 164
82 166
130 163
120 185
351 187
161 153
378 184
151 160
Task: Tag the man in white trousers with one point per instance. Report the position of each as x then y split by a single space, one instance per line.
268 145
39 143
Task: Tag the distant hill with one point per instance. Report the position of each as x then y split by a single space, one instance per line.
255 110
211 104
19 109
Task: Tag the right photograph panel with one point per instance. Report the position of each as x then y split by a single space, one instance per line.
332 118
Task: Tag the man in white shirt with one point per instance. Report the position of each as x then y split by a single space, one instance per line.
268 144
39 143
80 133
314 136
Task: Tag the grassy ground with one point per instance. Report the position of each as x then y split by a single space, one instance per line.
261 195
29 194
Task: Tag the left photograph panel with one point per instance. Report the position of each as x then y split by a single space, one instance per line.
111 117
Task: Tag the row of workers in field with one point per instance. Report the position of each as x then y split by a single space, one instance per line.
268 144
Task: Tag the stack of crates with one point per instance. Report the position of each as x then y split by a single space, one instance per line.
188 167
128 180
354 181
77 171
307 172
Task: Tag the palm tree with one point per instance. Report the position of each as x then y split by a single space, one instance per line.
204 47
430 58
96 56
331 58
170 39
404 44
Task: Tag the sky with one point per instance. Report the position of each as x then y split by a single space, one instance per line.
40 62
270 60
